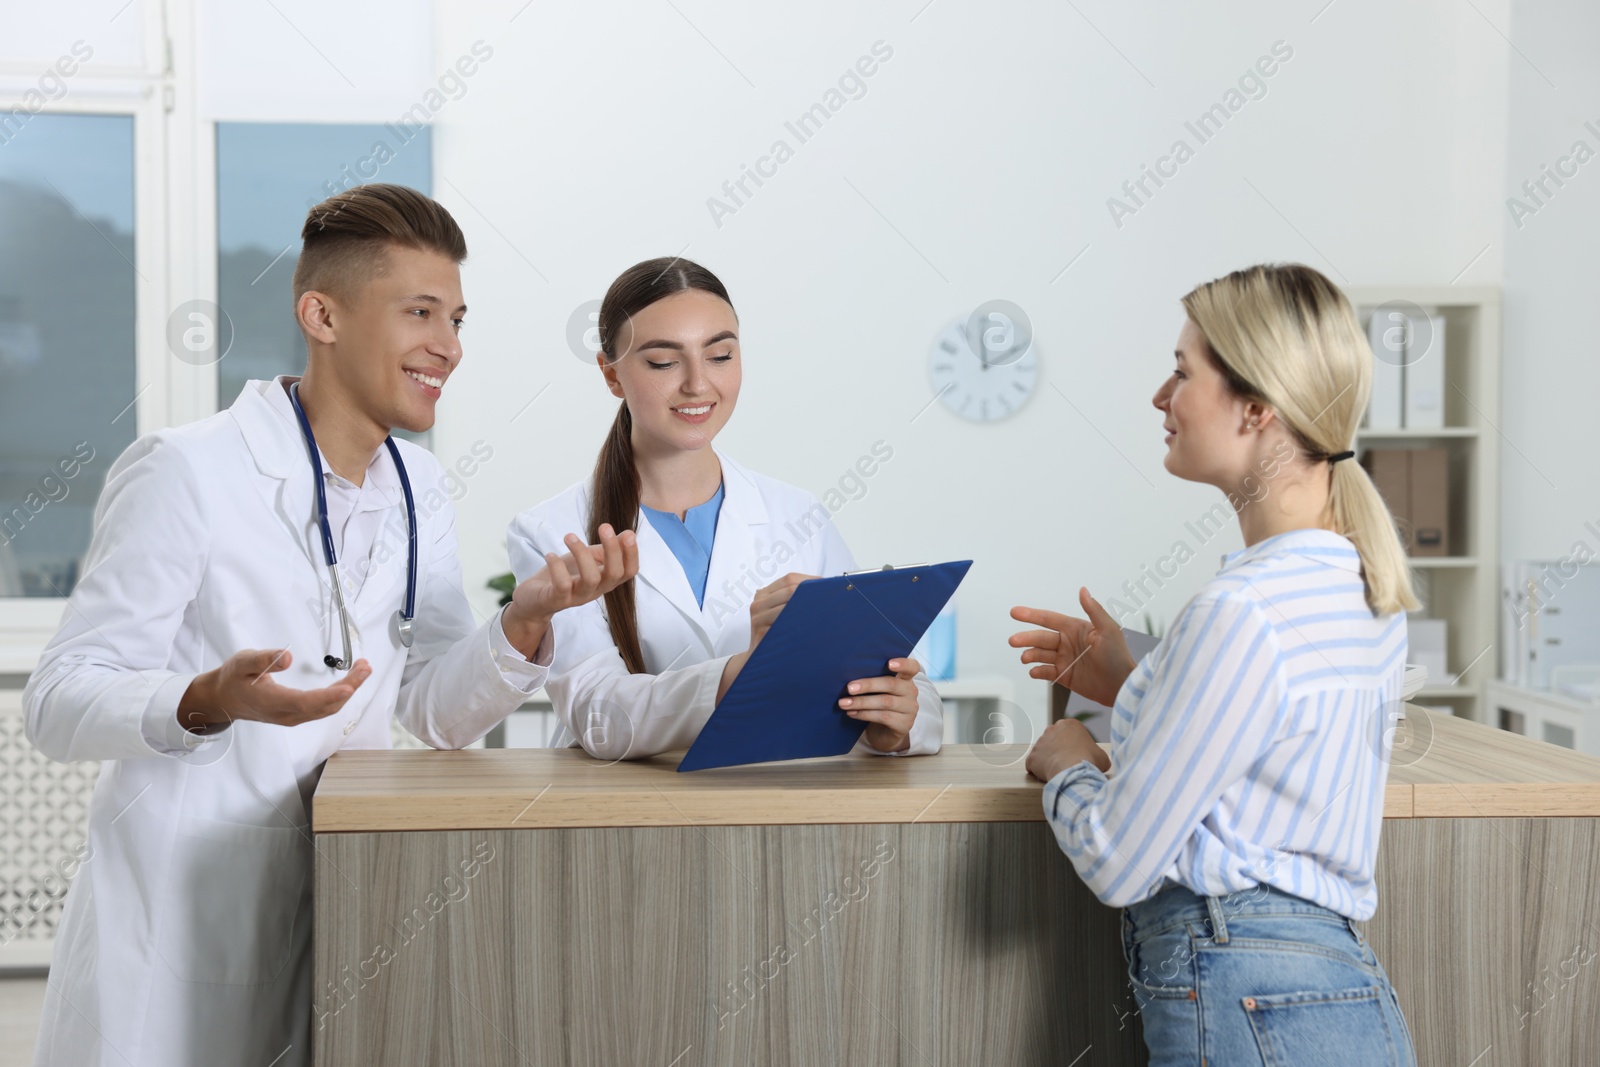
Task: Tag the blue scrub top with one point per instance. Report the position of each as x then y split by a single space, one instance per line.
690 539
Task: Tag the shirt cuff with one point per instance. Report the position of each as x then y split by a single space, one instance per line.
918 744
160 725
519 671
1055 789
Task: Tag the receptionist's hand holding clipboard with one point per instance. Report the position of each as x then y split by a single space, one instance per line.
887 703
811 640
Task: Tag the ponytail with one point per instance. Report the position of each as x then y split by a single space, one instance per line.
1358 512
614 499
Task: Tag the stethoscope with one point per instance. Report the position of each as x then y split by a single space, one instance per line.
409 612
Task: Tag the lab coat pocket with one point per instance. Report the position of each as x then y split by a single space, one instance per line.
233 901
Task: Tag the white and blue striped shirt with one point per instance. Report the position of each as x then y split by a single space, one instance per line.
1249 746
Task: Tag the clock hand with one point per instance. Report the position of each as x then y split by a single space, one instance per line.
981 350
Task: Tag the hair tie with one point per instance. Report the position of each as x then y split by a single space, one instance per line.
1337 456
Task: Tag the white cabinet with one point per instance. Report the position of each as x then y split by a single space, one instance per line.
1545 716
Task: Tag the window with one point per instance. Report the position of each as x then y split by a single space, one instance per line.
127 209
67 343
268 176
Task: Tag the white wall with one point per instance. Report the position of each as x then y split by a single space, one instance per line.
1552 277
305 61
991 141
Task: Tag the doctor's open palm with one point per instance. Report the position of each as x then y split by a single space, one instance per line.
1089 657
585 573
242 688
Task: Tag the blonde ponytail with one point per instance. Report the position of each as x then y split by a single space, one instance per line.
1285 335
1359 513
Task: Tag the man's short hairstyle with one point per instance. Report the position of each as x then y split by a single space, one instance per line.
346 237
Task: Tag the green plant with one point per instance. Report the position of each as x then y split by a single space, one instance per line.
503 584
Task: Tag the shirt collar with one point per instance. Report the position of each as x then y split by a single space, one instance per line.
700 521
1336 550
381 479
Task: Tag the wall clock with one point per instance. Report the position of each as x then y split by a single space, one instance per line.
984 367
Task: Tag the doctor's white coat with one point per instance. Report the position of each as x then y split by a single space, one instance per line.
765 529
187 933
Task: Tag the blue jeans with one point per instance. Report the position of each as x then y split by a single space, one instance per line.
1258 977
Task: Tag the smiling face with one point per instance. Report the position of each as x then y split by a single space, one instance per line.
679 372
390 344
1209 433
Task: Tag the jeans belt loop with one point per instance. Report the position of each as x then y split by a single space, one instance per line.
1219 925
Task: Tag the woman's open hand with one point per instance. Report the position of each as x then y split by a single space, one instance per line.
1089 657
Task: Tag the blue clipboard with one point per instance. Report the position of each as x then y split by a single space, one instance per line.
784 704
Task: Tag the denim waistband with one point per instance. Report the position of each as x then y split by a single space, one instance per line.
1177 905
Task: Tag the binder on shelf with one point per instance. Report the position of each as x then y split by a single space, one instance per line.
1429 506
1415 484
1386 332
785 703
1558 625
1423 385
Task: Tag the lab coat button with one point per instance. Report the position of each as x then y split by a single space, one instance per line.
351 725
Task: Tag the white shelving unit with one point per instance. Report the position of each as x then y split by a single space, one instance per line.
1464 586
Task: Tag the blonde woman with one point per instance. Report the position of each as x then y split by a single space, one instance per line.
1236 819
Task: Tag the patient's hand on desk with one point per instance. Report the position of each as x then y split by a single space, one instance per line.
1088 657
887 704
1065 744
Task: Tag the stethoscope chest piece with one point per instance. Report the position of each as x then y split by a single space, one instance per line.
407 628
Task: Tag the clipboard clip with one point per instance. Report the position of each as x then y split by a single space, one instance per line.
885 567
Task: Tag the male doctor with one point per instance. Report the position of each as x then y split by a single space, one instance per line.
201 655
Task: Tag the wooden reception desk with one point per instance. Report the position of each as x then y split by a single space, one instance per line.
534 906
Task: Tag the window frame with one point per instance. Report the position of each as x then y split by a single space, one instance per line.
174 221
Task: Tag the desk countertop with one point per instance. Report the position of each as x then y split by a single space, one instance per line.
1442 767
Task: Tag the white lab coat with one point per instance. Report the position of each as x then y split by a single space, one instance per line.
765 529
186 938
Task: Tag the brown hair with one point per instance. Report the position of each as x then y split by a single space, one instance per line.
1284 335
614 494
345 238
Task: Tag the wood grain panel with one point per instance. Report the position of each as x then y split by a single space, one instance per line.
943 943
937 943
1489 929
